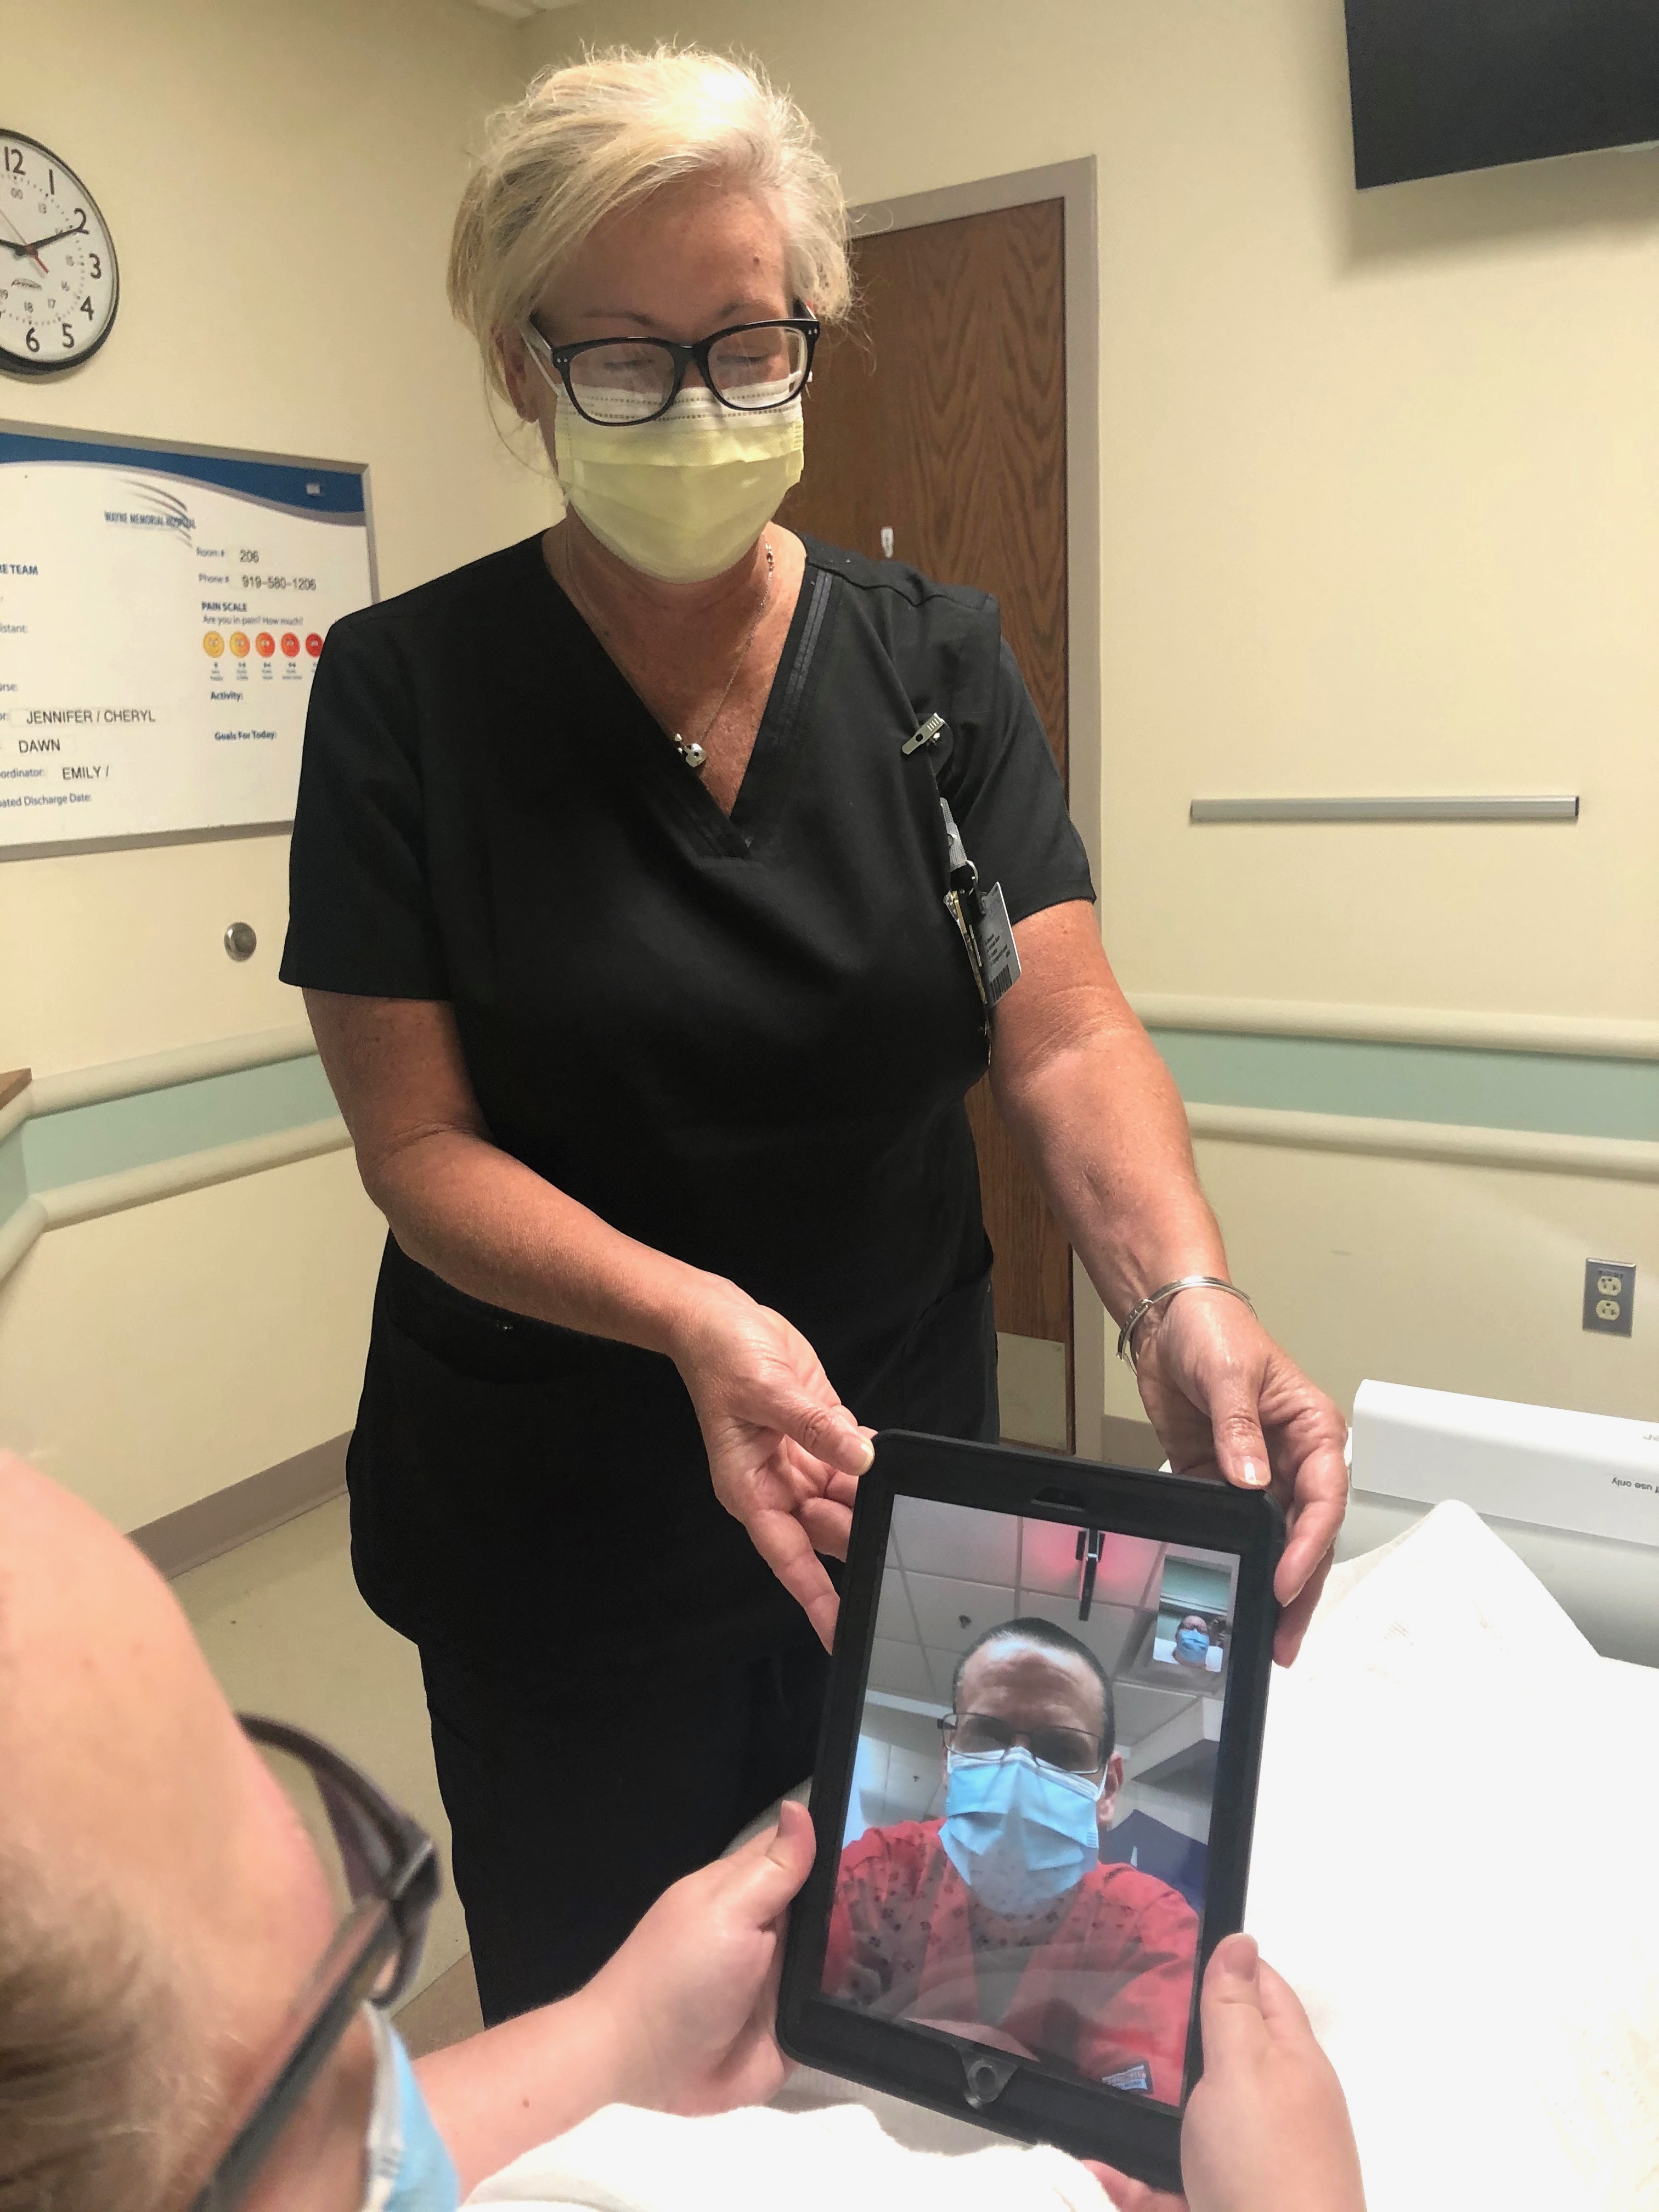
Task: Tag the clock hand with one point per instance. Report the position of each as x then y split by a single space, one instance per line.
34 246
24 247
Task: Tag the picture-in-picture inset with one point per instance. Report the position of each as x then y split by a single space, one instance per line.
1027 1828
1194 1616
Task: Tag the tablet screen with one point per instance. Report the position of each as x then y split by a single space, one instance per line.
1026 1832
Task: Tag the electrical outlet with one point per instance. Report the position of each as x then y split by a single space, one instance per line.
1609 1296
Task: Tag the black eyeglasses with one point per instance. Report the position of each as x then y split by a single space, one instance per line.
750 367
1073 1750
390 1874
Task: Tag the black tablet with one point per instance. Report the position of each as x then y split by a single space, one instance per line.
1034 1789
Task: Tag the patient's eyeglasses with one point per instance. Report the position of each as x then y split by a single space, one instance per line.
385 1876
1074 1750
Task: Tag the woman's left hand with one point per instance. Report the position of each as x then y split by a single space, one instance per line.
1226 1400
690 2002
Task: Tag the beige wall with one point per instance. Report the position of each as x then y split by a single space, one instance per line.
1377 482
1377 479
1378 487
155 1356
280 190
1447 1275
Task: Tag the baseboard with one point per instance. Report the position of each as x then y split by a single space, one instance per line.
1130 1443
209 1526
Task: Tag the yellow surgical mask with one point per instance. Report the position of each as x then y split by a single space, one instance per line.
685 496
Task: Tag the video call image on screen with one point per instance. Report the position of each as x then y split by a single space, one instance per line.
1026 1834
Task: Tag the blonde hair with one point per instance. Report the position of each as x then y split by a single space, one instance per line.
103 2098
99 2104
605 133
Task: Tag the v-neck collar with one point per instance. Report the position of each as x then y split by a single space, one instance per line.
652 758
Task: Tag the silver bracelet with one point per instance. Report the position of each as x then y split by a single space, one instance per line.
1125 1349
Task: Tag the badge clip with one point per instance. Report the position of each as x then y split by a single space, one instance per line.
929 734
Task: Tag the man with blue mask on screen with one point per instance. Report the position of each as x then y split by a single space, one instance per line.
998 1917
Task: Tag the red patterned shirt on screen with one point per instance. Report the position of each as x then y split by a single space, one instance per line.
1102 1982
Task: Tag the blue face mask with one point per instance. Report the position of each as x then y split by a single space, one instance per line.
1192 1643
408 2168
1019 1834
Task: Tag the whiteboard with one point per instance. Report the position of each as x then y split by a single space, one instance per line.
161 611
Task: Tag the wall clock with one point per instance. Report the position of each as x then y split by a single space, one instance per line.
58 284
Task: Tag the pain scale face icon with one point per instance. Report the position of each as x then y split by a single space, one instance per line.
264 645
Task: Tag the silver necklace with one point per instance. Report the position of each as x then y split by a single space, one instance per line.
693 753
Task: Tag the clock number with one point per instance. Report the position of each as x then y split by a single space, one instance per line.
85 309
80 218
30 340
68 329
51 182
97 270
14 161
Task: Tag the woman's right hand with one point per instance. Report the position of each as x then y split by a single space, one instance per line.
1266 2129
785 1454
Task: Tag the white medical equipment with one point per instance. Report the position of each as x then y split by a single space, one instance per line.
1576 1495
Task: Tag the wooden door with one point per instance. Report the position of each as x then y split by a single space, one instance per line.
940 416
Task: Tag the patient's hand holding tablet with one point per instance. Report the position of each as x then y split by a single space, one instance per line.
1035 1790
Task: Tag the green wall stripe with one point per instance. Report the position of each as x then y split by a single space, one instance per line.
14 1176
1560 1093
84 1141
1553 1093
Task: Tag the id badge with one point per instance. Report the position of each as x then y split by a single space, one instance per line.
999 962
955 906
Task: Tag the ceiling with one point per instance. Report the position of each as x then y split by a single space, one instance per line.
953 1572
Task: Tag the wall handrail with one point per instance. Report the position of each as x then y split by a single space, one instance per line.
89 1198
1618 1159
1586 1036
1497 806
99 1195
160 1071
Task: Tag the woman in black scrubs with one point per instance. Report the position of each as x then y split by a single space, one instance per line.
619 906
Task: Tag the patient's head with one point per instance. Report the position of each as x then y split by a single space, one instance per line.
1192 1641
161 1905
1030 1682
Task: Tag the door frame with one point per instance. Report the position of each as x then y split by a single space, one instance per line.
1074 183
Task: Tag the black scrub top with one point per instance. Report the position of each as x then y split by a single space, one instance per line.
744 1040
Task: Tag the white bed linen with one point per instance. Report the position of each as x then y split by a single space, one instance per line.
1457 1863
837 2159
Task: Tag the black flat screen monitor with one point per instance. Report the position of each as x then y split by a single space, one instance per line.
1443 85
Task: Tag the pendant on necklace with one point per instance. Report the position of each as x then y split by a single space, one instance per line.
693 756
